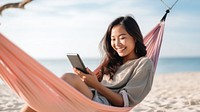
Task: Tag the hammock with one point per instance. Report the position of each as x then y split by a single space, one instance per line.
44 91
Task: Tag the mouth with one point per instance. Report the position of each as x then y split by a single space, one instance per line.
120 50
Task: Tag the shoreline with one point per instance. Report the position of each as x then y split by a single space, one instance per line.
170 93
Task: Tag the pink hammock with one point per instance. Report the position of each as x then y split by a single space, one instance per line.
44 91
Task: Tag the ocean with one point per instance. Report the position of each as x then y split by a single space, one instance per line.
165 65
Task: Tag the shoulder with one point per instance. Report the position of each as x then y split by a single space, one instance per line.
146 62
142 61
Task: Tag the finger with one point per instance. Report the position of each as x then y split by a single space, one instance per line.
83 78
77 72
74 69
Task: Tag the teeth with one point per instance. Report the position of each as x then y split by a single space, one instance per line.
120 49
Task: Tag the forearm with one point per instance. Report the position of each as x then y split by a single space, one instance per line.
114 98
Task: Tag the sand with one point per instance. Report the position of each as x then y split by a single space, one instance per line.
9 102
178 92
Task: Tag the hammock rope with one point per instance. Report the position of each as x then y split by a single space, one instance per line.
169 8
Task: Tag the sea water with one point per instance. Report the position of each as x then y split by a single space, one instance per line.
174 65
165 65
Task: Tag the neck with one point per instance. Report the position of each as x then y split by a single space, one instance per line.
128 59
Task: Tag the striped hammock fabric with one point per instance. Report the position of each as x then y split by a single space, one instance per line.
44 91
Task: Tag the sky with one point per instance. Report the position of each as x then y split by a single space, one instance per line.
48 29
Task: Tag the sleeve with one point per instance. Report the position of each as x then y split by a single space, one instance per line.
140 82
125 98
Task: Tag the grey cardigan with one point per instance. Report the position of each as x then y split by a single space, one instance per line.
135 77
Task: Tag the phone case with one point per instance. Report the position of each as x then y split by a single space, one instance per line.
76 62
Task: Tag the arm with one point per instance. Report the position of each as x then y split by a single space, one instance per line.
92 81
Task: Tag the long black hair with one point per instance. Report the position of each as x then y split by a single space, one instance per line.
111 60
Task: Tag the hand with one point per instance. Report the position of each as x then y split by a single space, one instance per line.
90 79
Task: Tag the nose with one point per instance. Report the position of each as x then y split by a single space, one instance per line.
117 42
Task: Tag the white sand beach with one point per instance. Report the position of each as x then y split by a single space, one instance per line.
9 102
178 92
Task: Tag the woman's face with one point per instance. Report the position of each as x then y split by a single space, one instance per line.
123 43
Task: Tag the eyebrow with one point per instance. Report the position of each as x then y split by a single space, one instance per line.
119 35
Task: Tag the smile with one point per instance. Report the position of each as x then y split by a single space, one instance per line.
120 49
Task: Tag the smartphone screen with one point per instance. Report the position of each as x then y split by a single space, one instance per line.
76 62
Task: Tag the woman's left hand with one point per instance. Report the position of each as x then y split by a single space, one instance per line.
90 79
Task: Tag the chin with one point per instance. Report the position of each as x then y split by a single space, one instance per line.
121 55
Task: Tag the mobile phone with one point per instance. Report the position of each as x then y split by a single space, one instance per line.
76 62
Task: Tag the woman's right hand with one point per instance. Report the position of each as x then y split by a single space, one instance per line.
90 79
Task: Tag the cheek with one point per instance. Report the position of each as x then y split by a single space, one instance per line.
112 44
131 45
124 42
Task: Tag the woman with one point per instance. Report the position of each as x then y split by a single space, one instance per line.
125 76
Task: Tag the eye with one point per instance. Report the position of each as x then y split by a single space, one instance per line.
122 37
112 39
